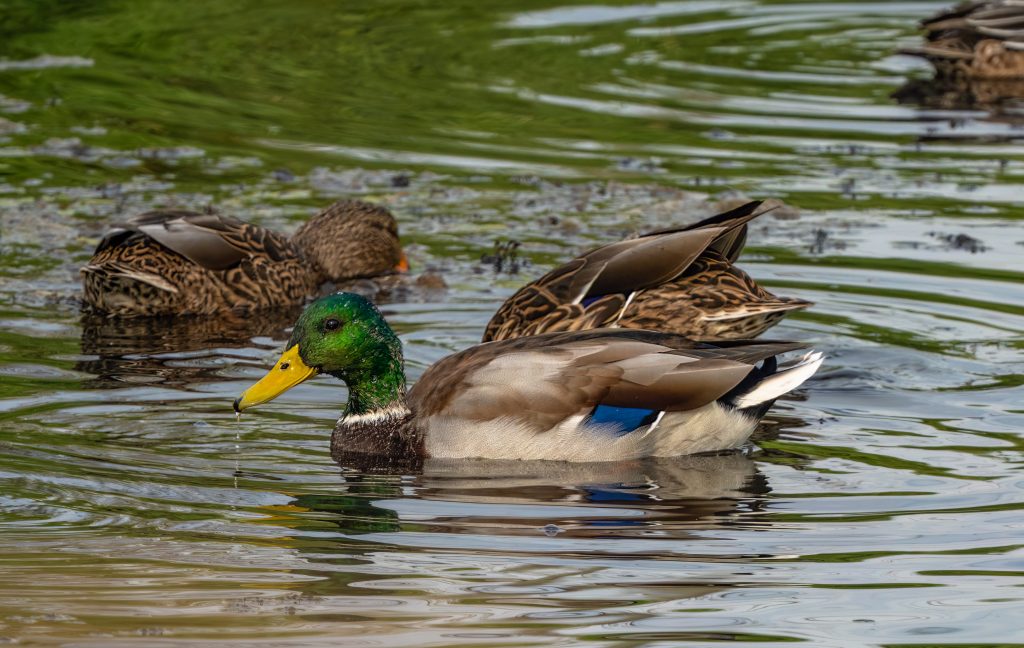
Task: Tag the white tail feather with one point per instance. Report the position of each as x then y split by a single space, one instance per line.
785 380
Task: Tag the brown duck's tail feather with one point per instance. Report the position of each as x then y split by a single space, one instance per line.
126 274
750 325
112 289
936 52
740 311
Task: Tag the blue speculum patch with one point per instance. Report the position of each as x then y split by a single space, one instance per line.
627 418
587 301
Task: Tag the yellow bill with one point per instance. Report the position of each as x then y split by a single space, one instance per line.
289 371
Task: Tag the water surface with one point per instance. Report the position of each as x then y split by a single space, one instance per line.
878 505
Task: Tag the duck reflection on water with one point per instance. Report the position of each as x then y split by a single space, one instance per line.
173 351
666 496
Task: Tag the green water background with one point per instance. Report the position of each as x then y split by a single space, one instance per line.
879 506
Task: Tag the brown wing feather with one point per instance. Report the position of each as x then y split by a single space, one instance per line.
647 261
215 242
171 262
678 386
733 225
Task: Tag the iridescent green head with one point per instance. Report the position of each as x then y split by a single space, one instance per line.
346 336
342 333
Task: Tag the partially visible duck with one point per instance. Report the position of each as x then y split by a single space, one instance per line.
601 395
678 280
976 40
178 262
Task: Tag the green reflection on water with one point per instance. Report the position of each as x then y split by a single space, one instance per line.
396 81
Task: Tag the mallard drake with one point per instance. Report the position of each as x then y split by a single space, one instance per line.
178 262
976 40
678 280
600 395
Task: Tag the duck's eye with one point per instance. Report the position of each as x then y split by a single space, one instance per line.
332 325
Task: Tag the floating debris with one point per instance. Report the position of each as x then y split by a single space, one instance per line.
960 241
504 258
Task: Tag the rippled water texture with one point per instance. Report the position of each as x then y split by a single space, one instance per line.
878 505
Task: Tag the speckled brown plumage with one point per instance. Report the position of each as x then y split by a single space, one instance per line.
976 40
177 262
679 280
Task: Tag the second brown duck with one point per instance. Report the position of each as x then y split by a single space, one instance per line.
173 262
976 40
679 281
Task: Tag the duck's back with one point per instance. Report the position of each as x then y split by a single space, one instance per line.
180 262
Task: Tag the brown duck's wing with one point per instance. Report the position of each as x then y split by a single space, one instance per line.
618 269
177 262
655 257
733 223
543 380
621 267
212 241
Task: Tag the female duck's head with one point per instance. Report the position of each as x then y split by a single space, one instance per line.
343 335
352 239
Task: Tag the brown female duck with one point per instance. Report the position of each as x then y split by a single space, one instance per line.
976 40
180 262
680 280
